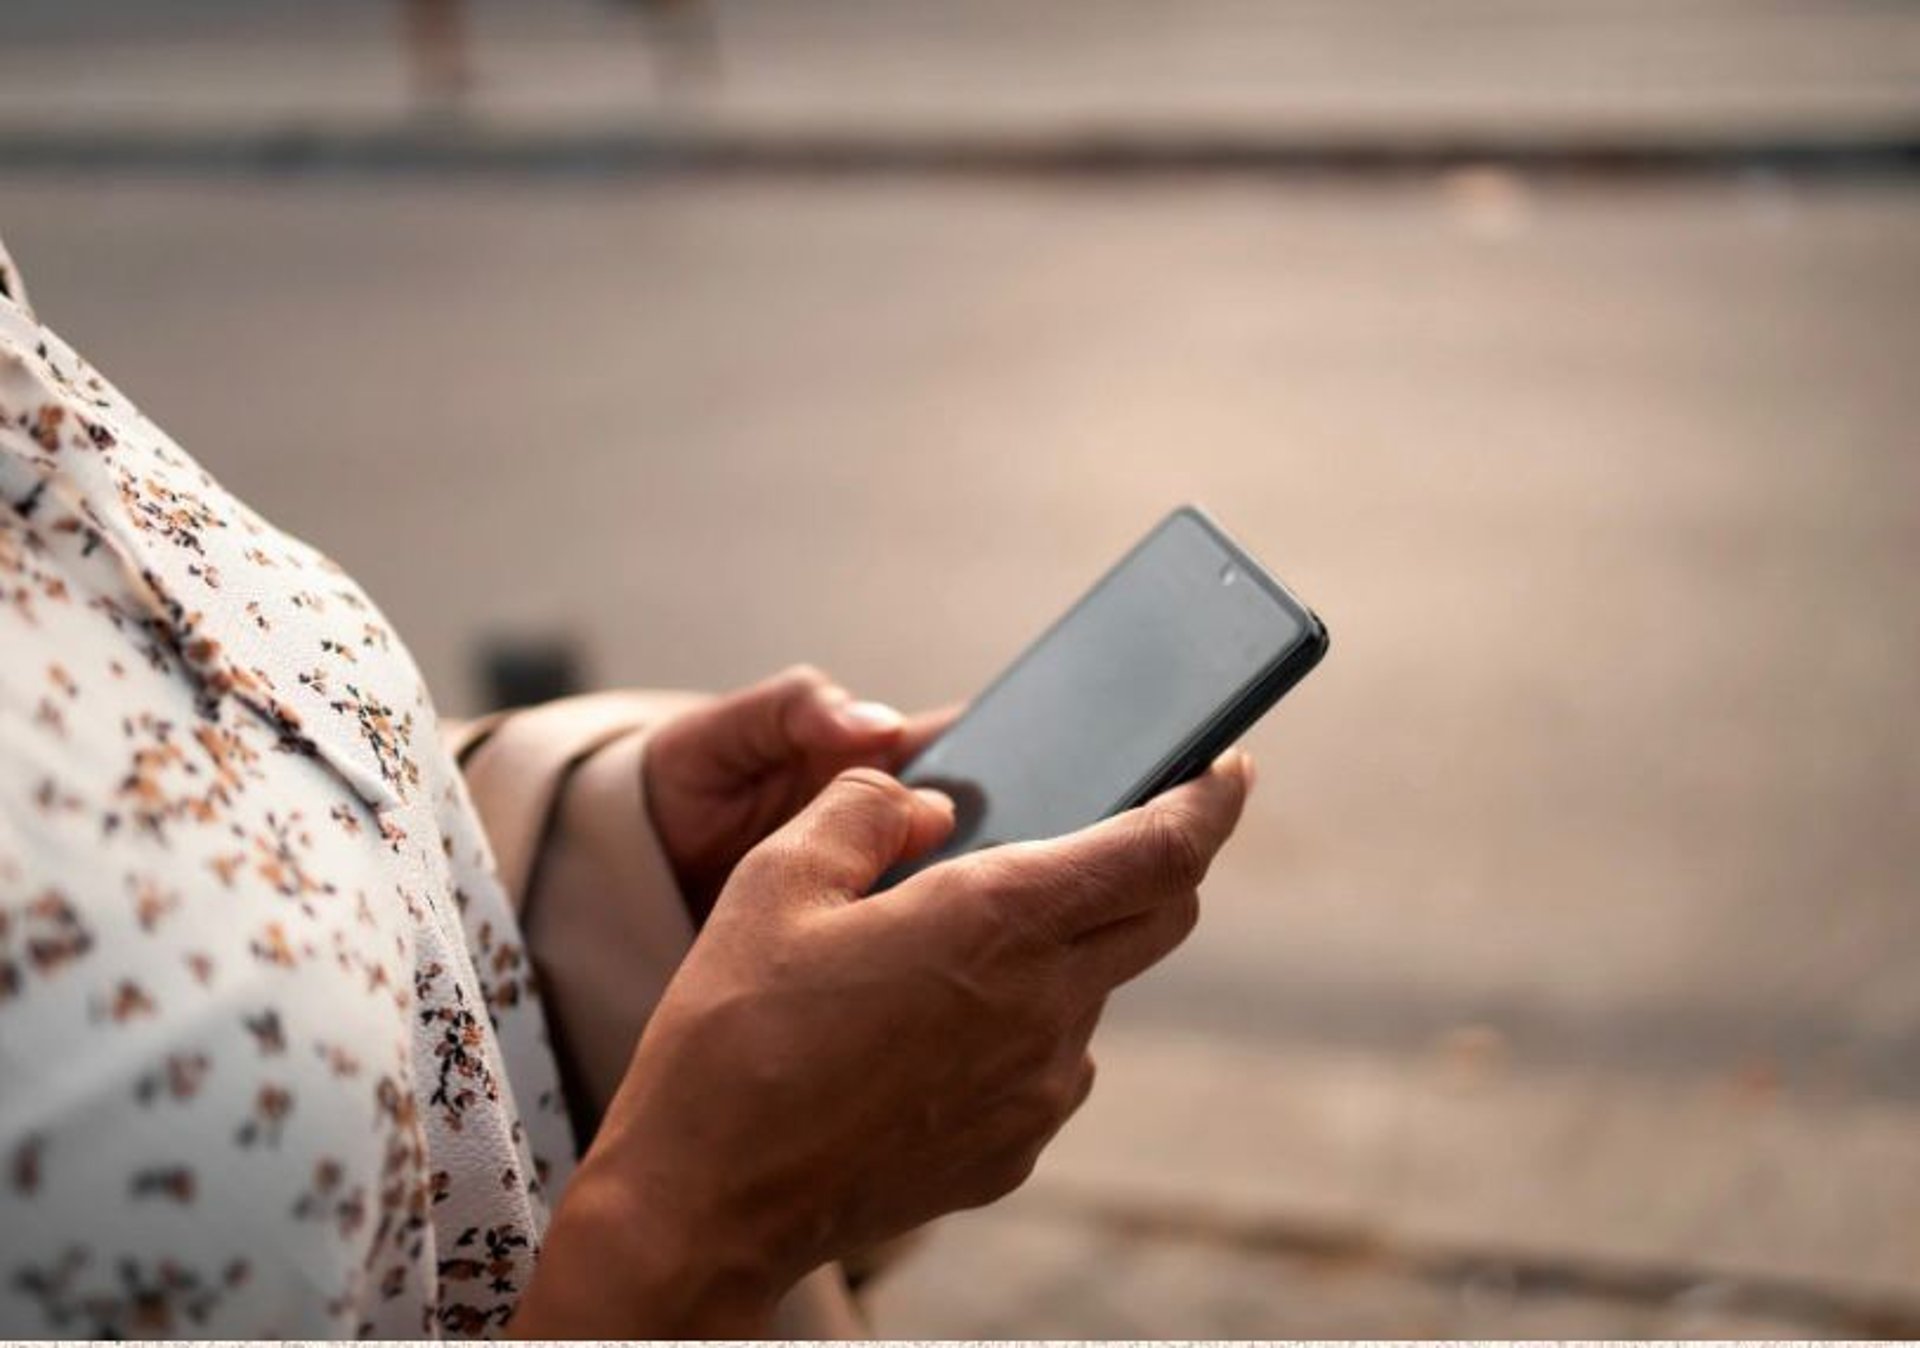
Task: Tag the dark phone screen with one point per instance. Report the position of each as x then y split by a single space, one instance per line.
1169 638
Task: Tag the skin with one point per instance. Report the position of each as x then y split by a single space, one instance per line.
826 1070
722 777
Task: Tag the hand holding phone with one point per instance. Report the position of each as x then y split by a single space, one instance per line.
1161 666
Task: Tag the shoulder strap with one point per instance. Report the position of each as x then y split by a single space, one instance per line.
515 764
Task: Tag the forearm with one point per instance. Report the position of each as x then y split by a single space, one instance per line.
620 1262
606 927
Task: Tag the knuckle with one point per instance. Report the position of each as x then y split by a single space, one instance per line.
1012 1168
1053 1085
763 865
998 877
801 675
978 873
992 1179
996 881
1176 855
1170 926
1021 1166
1064 1092
1006 1155
1081 1082
1185 915
873 782
994 956
1041 888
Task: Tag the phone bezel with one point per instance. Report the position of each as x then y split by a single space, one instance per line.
1191 755
1235 717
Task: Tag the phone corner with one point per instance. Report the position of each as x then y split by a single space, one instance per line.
1319 638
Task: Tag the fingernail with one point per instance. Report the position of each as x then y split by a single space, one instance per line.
869 716
1247 769
940 800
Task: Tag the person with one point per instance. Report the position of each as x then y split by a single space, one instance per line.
305 1033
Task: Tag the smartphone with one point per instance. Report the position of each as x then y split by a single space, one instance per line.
1158 668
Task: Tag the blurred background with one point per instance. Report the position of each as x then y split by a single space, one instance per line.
1565 979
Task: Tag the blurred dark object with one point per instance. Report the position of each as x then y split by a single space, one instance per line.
519 671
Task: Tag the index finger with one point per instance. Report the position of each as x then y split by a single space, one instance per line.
923 728
1134 861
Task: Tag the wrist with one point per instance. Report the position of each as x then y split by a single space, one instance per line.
620 1262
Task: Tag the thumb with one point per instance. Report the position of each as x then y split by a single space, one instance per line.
861 825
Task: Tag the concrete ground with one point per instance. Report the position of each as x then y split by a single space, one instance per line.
1562 980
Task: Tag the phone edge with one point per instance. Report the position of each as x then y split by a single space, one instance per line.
1192 758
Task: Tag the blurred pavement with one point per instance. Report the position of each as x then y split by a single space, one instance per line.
287 80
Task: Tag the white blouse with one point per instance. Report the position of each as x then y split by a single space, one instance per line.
270 1060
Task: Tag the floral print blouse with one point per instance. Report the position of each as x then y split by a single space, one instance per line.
270 1062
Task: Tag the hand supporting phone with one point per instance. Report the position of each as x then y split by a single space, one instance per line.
1167 661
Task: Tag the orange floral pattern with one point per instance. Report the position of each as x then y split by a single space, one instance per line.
268 1037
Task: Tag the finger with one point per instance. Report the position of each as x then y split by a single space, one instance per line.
1128 864
1076 1061
1080 1032
768 725
833 722
1088 1074
922 729
861 825
1120 952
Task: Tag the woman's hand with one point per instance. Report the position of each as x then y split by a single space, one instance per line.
726 774
828 1070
